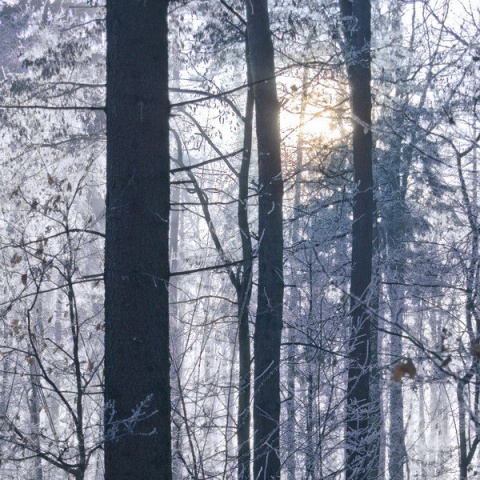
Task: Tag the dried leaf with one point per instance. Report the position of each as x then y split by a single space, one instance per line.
24 279
404 368
16 259
50 179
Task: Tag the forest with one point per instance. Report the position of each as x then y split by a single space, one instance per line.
239 239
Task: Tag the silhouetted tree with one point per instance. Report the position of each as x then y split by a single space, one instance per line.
137 388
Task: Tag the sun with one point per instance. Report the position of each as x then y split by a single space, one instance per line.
319 126
315 126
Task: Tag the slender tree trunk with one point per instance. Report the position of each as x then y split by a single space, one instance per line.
244 292
467 448
294 302
395 274
176 332
34 402
137 383
356 23
290 426
397 457
268 326
176 326
310 431
376 470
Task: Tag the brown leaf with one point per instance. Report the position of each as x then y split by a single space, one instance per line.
16 259
404 368
50 179
24 279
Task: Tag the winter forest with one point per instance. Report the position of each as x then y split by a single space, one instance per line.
239 239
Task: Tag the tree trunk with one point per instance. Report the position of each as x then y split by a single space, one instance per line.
34 402
395 222
356 24
137 387
244 292
376 468
294 302
268 326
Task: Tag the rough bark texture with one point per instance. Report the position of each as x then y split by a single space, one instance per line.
356 23
268 324
137 391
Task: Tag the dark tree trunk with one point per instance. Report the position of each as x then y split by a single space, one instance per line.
268 324
137 388
356 23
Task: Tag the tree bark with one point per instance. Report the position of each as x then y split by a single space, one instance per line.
357 31
137 387
268 324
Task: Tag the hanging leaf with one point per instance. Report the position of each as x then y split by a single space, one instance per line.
16 259
404 368
24 279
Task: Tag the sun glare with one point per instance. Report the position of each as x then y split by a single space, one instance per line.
320 126
315 126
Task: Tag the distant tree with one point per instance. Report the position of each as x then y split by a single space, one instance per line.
137 382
